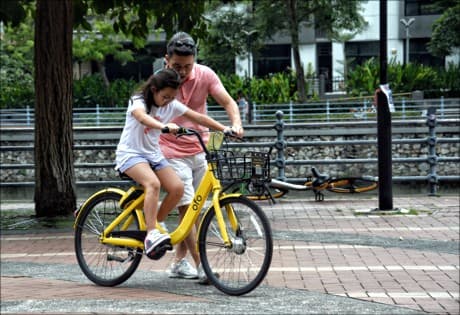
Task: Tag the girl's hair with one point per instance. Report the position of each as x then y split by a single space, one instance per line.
157 81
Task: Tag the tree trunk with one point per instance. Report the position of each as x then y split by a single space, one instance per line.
54 171
294 31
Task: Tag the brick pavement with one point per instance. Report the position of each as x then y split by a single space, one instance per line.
408 262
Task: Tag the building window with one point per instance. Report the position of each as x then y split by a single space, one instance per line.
272 59
420 7
418 53
359 52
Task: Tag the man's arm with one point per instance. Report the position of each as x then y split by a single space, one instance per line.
230 106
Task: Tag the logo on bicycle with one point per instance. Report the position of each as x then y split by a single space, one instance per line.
196 202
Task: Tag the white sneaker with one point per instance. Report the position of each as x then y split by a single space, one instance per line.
156 244
183 269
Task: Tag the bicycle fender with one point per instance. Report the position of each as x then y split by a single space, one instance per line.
96 194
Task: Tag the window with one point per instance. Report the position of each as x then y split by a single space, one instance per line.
420 7
359 52
272 59
419 53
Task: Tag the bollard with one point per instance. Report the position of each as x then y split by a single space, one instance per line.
432 158
280 145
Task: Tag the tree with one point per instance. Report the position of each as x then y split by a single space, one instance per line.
54 171
288 16
54 22
96 44
445 37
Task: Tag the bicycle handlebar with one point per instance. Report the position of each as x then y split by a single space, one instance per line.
182 131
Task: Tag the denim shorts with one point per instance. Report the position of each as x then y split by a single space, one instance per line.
156 166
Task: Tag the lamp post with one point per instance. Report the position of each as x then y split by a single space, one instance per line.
407 24
249 50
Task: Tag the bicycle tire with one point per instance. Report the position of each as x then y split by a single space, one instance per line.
105 265
260 194
240 269
352 185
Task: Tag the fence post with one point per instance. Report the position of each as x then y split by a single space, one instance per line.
442 106
403 108
254 113
28 115
365 109
97 115
290 111
327 110
280 145
432 158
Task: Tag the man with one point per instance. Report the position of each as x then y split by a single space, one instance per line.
184 153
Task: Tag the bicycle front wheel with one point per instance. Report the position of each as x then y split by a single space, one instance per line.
259 192
105 265
241 267
352 185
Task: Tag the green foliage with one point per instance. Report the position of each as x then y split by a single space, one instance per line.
90 91
274 89
16 60
364 79
445 37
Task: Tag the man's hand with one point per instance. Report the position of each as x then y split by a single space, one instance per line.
238 131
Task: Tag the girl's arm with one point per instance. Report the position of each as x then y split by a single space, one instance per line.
204 120
148 121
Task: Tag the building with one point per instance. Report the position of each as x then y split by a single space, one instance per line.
325 57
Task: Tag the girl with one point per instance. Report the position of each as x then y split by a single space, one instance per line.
138 154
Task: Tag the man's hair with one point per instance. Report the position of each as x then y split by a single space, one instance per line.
181 44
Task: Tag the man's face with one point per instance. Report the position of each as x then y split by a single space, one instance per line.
182 64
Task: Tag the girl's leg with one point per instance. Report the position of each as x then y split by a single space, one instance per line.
174 188
144 175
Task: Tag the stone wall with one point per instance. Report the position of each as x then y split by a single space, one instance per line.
102 151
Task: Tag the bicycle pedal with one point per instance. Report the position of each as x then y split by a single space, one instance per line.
159 251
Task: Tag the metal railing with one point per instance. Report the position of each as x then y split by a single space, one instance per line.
283 131
331 110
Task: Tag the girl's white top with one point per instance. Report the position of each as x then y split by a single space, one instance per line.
139 140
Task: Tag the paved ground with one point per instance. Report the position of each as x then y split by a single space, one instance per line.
327 260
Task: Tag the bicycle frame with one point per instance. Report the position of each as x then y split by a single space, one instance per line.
209 184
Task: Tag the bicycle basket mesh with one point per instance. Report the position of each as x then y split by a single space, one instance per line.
228 165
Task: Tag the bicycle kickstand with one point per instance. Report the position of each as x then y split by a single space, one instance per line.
268 192
319 196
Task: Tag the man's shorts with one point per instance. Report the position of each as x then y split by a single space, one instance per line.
191 170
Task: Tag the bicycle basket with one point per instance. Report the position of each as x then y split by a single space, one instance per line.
234 166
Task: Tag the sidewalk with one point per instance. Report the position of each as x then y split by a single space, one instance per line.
328 259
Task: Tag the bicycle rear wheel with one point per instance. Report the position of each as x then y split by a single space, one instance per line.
238 269
105 265
352 185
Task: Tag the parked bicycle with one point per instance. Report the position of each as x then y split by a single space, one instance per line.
234 238
318 184
264 187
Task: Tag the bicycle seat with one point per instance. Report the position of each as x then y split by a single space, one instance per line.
319 178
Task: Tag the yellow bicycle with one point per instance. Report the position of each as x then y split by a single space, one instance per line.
234 236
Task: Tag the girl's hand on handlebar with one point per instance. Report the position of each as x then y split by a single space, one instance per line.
171 128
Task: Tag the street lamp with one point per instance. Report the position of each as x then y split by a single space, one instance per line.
249 50
407 24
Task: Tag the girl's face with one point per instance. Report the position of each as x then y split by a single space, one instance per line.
164 96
